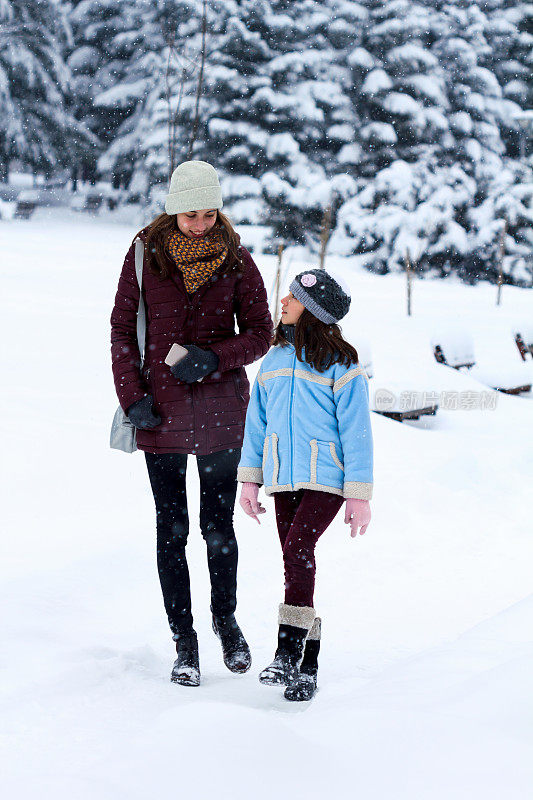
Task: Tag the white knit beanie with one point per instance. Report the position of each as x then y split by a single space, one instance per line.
193 186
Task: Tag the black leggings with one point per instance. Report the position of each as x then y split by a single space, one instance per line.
218 488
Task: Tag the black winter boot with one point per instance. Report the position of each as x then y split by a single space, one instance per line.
235 650
305 685
186 669
294 624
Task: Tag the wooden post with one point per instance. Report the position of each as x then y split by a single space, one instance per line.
173 113
325 233
277 285
199 85
408 273
500 261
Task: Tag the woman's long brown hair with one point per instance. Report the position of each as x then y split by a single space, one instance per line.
323 343
156 235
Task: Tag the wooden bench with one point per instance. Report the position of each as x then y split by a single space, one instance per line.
456 350
394 392
93 203
25 208
524 342
399 416
47 195
441 358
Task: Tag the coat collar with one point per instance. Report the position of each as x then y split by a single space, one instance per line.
288 332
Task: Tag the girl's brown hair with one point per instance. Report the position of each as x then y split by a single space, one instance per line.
323 342
156 235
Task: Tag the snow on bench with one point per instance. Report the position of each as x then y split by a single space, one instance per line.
397 392
455 348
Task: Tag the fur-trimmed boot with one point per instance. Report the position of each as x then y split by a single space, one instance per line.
235 650
305 686
186 669
294 625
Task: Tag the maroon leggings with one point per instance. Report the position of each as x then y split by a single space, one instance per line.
302 517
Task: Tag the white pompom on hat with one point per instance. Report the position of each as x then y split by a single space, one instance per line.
194 185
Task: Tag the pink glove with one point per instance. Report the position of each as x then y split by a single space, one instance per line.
357 514
249 502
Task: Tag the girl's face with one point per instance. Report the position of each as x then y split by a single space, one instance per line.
195 224
292 309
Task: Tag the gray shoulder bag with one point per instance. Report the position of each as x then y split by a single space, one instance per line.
123 433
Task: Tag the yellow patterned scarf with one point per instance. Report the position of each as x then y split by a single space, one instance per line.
197 259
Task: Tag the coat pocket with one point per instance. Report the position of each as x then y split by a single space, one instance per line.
275 458
270 460
145 375
265 455
334 455
325 467
239 389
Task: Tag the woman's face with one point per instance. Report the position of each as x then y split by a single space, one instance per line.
195 224
292 309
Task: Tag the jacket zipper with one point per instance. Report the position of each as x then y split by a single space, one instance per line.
291 412
194 386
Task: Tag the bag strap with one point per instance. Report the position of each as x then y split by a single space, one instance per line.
141 313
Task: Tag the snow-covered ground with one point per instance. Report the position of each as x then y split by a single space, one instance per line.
426 664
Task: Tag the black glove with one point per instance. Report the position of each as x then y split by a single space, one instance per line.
197 364
141 415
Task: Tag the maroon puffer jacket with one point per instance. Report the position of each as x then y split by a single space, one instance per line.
201 417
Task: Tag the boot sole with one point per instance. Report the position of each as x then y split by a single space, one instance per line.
186 676
299 699
239 671
272 680
185 681
295 691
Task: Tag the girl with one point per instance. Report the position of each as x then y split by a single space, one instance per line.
308 440
196 277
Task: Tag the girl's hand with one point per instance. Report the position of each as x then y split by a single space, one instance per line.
249 502
357 514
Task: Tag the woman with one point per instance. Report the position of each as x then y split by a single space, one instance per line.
308 440
196 278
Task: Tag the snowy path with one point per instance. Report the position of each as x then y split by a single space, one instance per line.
426 663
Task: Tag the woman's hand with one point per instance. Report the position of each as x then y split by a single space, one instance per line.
249 502
196 365
141 414
357 514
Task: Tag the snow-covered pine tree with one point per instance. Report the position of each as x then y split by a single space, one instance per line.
486 129
117 61
399 93
308 118
399 86
509 35
434 202
36 126
401 113
105 37
234 136
161 80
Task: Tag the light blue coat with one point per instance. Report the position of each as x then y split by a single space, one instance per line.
307 429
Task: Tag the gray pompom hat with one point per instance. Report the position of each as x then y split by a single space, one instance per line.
193 186
325 296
